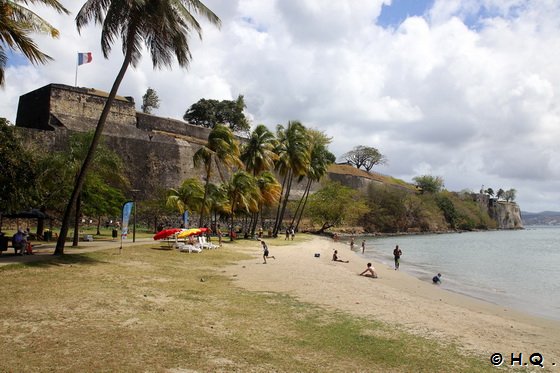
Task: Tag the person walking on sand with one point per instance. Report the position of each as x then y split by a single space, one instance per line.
369 271
335 258
397 254
363 246
265 252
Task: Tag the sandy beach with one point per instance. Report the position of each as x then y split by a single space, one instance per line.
395 298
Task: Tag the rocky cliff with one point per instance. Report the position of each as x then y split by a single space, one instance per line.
507 214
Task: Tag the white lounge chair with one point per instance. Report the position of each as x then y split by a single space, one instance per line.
184 248
206 245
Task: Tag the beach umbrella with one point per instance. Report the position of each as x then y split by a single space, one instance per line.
188 232
166 233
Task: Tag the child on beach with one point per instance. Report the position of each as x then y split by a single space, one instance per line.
437 279
336 259
265 252
369 271
363 246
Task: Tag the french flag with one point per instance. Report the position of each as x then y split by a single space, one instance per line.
84 58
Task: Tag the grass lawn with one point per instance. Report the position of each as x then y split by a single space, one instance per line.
153 310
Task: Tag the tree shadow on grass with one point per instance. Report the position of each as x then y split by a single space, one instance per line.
45 261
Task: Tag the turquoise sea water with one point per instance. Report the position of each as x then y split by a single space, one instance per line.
518 269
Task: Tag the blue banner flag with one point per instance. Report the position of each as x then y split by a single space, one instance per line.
126 211
185 219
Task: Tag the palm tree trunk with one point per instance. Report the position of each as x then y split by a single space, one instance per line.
276 222
201 220
300 201
285 202
76 237
303 207
89 157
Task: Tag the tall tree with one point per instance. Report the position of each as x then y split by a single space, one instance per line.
16 23
243 194
258 156
189 196
320 159
364 156
222 148
163 25
209 113
150 101
258 153
293 160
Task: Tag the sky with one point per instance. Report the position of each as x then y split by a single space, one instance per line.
463 89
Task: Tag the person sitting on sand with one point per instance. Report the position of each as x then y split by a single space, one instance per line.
369 271
437 279
265 252
336 259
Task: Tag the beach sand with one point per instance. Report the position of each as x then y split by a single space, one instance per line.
396 298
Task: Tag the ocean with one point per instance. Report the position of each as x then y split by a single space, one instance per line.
518 269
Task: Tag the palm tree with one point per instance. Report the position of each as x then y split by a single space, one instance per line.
16 23
269 194
163 25
222 147
188 197
243 194
258 153
294 153
320 159
258 156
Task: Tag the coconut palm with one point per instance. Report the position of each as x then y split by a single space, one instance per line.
320 159
243 194
164 27
269 194
293 160
188 197
258 153
222 148
17 22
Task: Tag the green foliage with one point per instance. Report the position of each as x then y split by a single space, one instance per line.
398 210
445 204
17 23
17 174
335 205
209 113
429 183
150 101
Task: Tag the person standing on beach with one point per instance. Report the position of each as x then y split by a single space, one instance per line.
363 246
265 252
369 271
352 243
397 254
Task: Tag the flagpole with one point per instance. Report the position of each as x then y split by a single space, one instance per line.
76 76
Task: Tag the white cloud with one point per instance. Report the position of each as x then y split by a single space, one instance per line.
469 93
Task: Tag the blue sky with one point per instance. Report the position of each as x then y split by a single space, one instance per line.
399 10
